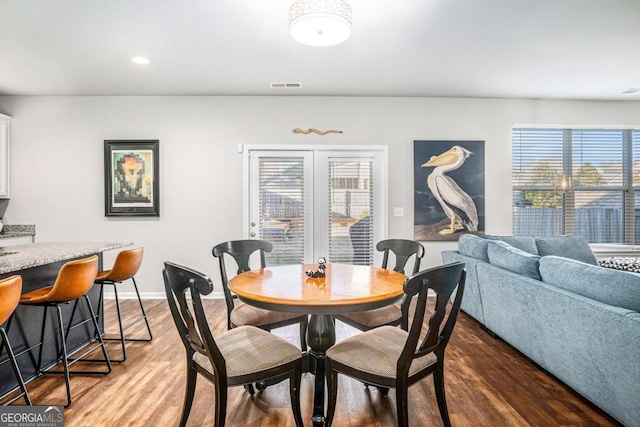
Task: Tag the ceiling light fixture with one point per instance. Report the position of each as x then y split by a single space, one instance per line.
140 60
320 22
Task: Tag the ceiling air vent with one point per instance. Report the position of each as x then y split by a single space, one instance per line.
284 85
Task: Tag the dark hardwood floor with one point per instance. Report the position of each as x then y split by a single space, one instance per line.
488 383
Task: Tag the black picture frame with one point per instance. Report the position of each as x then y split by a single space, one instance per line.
131 176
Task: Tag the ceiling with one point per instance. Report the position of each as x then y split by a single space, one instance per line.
561 49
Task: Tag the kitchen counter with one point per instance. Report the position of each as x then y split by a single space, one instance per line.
20 257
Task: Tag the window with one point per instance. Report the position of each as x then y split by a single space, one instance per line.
582 181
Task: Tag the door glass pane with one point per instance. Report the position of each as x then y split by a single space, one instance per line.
281 208
351 211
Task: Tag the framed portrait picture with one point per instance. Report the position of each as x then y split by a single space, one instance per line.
131 178
448 189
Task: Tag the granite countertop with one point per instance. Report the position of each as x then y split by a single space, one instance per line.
13 230
20 257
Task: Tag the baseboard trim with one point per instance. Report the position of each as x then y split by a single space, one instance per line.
155 295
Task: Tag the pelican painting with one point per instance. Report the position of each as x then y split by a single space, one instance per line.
447 200
457 204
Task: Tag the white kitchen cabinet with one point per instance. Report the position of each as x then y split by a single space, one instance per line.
5 170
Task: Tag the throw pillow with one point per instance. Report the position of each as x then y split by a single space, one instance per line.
571 246
524 243
513 259
473 246
621 263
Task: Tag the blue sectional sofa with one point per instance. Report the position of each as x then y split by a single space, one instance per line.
549 299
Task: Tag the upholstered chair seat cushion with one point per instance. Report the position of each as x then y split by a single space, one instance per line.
377 352
376 317
245 314
35 297
247 350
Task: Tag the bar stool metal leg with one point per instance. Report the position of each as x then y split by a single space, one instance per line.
16 369
44 324
106 359
122 338
144 314
67 361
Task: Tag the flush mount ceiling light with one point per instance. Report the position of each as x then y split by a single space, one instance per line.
320 22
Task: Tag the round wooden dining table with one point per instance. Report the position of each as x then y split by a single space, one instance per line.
345 288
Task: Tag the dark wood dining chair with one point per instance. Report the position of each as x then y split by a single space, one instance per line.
10 290
239 313
239 356
391 314
390 357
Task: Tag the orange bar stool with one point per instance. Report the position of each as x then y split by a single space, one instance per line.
72 284
125 266
10 290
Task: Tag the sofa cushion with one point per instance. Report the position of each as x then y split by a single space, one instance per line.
524 243
473 246
613 287
513 259
571 246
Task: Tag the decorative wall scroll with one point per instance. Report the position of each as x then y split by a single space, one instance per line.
319 132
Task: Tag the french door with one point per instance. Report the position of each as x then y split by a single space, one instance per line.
317 202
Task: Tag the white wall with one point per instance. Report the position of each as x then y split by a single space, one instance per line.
57 160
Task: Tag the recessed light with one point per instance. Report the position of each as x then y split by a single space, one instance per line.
632 90
140 60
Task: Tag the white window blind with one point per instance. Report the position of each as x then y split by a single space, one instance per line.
580 181
316 202
282 208
635 183
537 168
597 183
351 211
